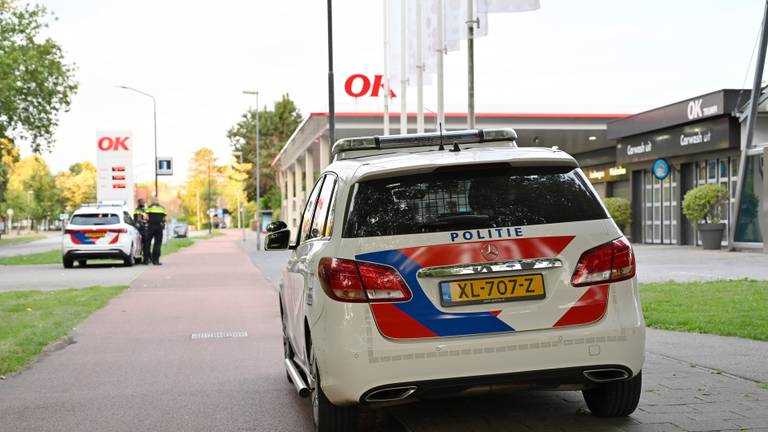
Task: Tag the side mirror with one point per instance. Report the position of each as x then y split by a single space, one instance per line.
277 240
276 226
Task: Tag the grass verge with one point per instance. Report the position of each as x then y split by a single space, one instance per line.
763 386
30 320
728 308
48 257
17 240
54 256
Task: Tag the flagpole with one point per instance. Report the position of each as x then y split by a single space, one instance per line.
419 70
403 70
470 66
385 4
440 65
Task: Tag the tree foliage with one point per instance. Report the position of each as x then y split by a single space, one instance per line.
275 127
9 155
199 194
36 83
620 210
77 185
32 191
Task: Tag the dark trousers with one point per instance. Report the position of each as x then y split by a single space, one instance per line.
155 236
144 243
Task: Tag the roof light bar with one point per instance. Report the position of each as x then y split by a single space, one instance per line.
474 136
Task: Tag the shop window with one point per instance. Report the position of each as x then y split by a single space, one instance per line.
748 228
711 171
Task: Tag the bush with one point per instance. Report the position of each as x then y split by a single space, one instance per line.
619 210
702 203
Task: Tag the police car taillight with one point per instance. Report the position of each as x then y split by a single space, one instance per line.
361 282
610 262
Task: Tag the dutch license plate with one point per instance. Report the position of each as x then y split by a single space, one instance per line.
492 290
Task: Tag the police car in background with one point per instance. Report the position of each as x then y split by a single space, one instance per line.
441 265
101 231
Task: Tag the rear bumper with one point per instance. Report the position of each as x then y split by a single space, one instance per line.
76 254
549 358
549 379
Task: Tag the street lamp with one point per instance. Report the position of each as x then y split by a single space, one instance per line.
154 116
258 170
239 208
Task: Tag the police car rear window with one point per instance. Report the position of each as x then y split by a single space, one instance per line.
470 198
95 219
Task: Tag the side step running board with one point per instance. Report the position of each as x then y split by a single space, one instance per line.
296 379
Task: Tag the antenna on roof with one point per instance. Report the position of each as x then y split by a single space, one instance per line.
441 148
455 144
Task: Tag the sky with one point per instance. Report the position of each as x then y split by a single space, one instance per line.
196 57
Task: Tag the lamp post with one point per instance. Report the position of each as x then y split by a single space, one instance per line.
154 118
239 207
258 170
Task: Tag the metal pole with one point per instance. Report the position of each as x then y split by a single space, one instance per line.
403 70
419 70
440 59
258 178
751 121
386 65
210 215
239 204
470 66
331 103
154 116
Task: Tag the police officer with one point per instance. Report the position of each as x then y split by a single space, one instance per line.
155 225
140 217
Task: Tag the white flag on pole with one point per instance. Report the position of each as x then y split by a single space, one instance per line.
455 30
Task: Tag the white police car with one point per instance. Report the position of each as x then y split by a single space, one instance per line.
100 231
423 270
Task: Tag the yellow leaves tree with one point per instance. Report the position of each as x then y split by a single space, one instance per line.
202 187
78 185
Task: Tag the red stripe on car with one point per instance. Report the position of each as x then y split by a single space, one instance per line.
396 324
589 308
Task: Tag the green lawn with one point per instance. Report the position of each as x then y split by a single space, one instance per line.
49 257
54 256
17 240
728 308
30 320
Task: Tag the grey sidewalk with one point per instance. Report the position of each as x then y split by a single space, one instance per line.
657 263
52 241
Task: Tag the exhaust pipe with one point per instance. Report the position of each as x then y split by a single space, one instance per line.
296 379
391 394
606 375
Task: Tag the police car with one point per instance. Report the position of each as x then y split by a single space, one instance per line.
439 265
99 231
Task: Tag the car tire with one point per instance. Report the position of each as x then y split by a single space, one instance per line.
327 416
614 399
129 261
82 263
68 263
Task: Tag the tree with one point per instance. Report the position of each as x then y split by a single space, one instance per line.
78 185
275 127
32 191
9 155
35 82
197 193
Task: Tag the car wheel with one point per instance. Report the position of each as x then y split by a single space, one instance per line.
82 263
329 417
68 262
129 261
614 399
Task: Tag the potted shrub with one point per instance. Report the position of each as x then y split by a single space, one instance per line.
620 211
701 206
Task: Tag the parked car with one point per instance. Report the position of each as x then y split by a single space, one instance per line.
442 265
180 230
100 231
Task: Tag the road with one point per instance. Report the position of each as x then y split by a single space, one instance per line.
195 345
55 276
52 241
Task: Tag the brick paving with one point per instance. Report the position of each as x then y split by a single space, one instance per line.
677 396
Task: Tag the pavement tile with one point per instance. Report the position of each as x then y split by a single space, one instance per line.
656 427
705 425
